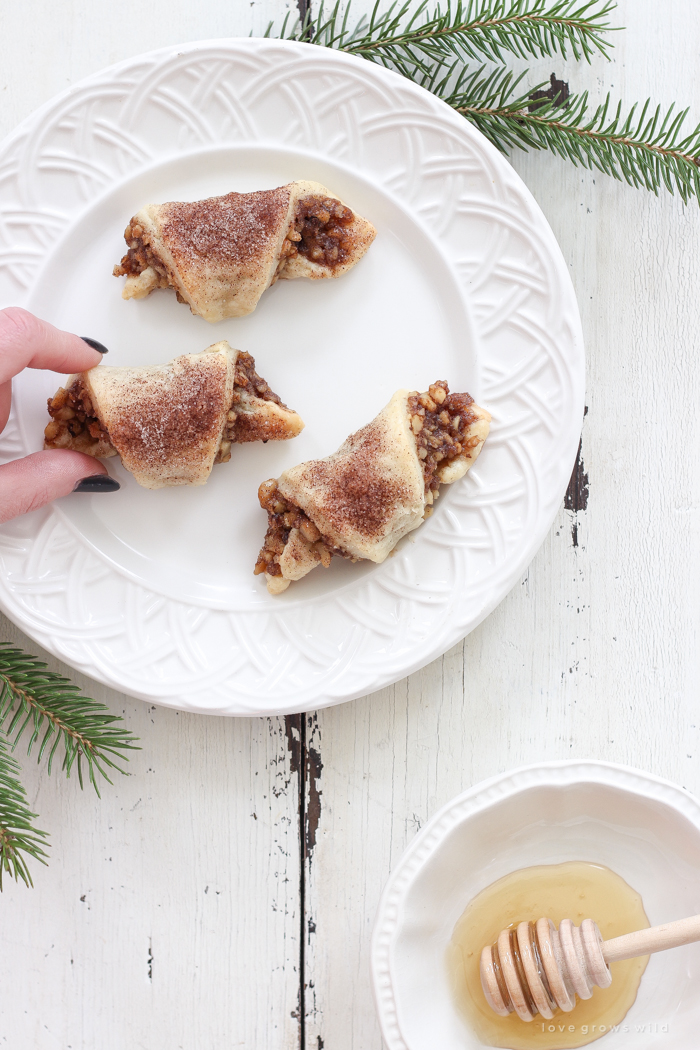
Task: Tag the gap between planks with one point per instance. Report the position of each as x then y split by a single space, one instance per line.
305 763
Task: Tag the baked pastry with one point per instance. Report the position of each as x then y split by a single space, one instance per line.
169 423
221 254
379 485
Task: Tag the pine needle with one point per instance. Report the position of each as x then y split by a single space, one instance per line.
53 711
18 836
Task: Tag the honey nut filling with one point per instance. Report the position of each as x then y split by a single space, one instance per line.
319 232
246 382
440 421
74 423
140 256
282 517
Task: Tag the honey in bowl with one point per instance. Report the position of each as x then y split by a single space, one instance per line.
575 890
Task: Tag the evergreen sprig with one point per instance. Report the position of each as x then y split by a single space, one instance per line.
645 148
53 713
54 709
18 836
642 146
467 29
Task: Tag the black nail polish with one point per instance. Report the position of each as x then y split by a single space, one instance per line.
100 347
97 483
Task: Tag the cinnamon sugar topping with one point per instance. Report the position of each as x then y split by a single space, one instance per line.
357 495
170 422
234 229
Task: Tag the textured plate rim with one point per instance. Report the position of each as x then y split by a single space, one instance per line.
301 700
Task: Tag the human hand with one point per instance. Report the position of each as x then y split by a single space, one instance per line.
25 484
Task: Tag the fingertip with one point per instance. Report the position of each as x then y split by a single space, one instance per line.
70 353
66 465
28 341
29 483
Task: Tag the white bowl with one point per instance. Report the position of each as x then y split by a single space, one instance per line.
644 828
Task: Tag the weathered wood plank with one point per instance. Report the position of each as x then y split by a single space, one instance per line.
169 913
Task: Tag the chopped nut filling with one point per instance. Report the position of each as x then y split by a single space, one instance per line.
74 423
246 382
246 376
282 517
440 421
140 256
319 232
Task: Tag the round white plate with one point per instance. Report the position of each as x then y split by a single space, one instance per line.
644 828
153 592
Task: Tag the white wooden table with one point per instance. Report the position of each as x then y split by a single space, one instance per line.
223 895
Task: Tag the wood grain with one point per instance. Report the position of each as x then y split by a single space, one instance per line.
170 915
655 939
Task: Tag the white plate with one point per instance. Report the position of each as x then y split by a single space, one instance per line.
644 828
153 592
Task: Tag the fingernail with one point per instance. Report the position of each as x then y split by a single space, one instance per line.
97 483
100 347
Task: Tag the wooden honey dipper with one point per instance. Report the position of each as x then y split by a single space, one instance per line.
535 968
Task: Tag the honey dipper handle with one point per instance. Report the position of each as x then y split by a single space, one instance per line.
655 939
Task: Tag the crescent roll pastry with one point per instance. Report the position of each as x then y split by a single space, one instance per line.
222 253
379 485
169 423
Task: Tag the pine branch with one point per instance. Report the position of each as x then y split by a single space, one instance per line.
648 148
18 836
52 708
465 30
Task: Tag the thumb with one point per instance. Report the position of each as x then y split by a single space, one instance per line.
29 483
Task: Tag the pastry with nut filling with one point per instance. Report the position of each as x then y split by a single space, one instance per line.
169 423
379 485
221 254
